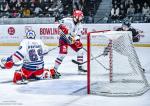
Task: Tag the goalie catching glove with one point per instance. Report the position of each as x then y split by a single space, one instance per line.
7 62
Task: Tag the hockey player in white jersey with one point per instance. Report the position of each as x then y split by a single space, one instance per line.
31 52
70 33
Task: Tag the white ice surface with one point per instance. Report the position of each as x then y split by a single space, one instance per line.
62 92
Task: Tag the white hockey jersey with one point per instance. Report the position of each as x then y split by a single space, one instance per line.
31 52
74 30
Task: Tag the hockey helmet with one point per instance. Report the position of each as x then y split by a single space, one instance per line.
30 34
126 23
77 15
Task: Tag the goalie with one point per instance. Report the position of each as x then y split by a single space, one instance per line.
70 33
31 53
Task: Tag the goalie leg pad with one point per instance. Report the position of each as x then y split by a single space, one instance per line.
17 77
38 73
29 74
43 74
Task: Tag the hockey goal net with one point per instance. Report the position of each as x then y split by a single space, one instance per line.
113 66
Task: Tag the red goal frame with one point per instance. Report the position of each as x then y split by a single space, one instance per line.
89 58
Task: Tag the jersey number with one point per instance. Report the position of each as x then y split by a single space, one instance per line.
34 56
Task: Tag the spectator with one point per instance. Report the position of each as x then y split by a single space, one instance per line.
138 9
116 2
115 12
67 7
128 3
32 6
76 5
26 12
146 12
6 10
145 9
12 3
57 6
130 10
6 7
37 10
122 12
18 4
138 17
14 13
45 10
82 3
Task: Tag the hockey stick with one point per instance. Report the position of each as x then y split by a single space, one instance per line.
64 37
51 50
76 62
93 58
2 67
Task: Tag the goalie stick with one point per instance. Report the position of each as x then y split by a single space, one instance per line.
51 50
64 37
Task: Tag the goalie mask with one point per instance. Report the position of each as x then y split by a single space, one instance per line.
77 15
30 34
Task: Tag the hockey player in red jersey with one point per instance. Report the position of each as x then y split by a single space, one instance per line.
70 33
31 52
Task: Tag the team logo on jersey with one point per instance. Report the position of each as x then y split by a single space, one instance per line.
11 30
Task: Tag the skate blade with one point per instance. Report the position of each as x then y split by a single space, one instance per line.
22 82
82 73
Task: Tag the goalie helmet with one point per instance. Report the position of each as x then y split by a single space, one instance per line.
77 15
30 34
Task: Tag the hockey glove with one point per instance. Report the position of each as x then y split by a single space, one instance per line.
78 44
8 62
63 29
71 39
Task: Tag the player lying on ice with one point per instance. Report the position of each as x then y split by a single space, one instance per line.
126 26
31 52
70 33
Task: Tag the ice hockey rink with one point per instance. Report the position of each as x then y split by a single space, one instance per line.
63 91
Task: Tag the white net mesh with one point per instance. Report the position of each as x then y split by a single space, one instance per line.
126 77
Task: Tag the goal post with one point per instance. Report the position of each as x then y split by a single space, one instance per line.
113 66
